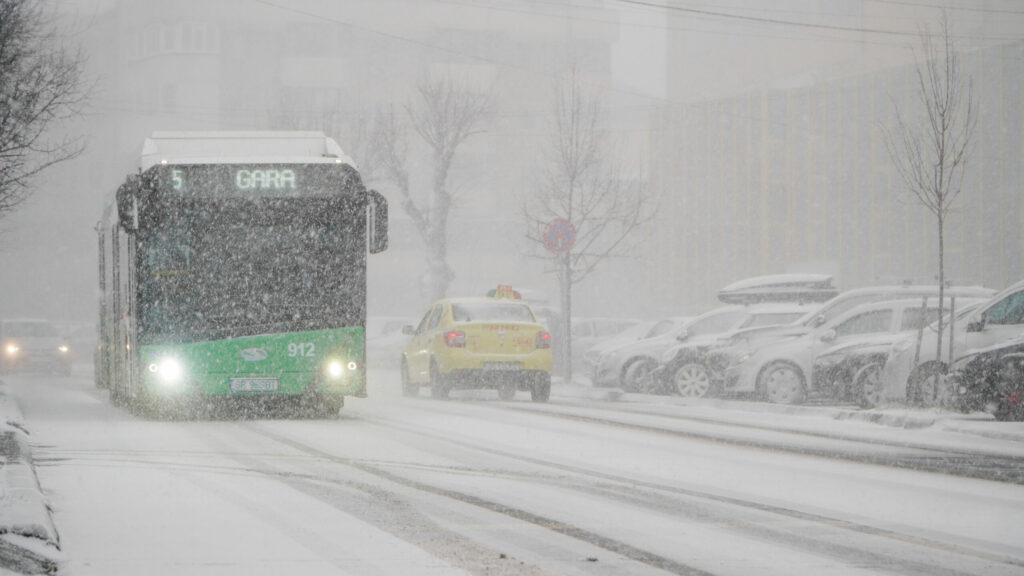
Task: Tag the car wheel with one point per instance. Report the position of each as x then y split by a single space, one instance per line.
439 385
691 380
638 377
869 384
929 385
1010 386
507 391
782 383
408 388
540 391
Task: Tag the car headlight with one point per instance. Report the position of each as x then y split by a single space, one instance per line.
829 360
669 355
962 362
12 349
63 348
900 346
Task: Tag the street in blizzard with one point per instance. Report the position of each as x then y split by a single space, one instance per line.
487 287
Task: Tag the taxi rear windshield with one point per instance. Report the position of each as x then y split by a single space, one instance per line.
491 311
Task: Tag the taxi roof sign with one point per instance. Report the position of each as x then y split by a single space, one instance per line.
504 291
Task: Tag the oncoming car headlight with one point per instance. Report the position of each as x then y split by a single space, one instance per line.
12 348
169 370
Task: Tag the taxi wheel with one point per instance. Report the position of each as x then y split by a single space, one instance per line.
439 385
408 388
540 391
507 390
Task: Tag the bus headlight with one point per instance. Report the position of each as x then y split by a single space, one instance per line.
168 370
335 369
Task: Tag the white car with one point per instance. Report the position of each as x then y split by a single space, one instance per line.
33 345
641 331
999 319
731 356
781 372
629 366
685 369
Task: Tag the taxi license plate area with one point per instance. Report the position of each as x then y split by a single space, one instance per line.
500 366
253 384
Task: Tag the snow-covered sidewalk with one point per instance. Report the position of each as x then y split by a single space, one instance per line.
29 543
892 416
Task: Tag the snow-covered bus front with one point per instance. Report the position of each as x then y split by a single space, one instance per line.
233 267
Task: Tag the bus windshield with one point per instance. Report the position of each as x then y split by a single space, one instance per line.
232 268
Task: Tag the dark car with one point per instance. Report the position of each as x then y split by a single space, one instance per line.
992 380
32 345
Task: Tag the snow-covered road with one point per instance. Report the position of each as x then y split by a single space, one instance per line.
478 486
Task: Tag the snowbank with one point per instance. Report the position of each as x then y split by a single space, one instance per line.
29 542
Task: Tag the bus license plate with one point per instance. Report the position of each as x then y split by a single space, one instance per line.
501 366
253 384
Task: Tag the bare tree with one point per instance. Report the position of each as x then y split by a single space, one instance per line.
352 129
930 155
582 194
444 117
41 85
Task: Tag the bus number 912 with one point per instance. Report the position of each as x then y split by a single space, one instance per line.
304 349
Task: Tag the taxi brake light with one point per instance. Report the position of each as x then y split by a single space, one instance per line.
455 339
543 339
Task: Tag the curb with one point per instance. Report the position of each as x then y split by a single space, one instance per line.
29 541
893 417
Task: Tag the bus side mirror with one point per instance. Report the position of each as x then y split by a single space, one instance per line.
378 218
128 206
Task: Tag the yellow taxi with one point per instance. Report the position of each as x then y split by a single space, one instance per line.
478 342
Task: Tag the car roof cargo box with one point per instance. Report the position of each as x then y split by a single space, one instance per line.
780 288
254 147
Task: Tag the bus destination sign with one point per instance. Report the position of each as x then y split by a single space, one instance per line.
240 180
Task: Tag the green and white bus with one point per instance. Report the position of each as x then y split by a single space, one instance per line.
233 267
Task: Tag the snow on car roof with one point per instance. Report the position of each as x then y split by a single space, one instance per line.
780 288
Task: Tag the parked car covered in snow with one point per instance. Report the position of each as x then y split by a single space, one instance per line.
629 365
641 331
781 372
998 318
853 371
992 380
741 372
685 369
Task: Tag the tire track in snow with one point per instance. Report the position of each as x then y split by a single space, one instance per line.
814 540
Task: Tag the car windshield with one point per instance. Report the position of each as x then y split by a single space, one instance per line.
29 329
772 319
